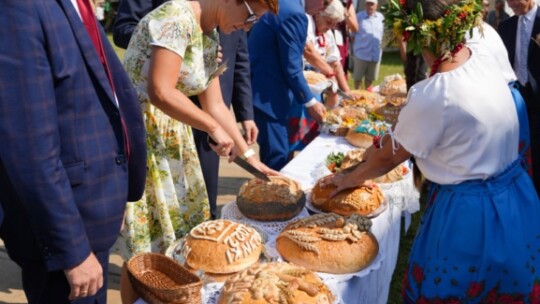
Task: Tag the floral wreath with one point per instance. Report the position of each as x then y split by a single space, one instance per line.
443 37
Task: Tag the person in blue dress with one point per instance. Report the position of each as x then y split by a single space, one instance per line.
479 237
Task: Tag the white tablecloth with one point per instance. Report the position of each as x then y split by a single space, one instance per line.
308 166
369 287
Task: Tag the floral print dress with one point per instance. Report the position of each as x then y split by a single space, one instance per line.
175 198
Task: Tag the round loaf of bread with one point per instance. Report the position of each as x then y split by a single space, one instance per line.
278 200
329 243
362 134
313 77
393 84
360 200
359 139
221 246
353 157
275 283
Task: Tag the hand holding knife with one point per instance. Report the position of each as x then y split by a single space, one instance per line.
244 164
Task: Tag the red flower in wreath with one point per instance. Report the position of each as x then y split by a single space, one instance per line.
417 273
491 297
475 289
510 299
402 3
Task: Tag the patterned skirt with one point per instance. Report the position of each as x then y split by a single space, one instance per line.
478 242
175 198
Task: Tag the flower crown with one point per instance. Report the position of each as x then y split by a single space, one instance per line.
440 36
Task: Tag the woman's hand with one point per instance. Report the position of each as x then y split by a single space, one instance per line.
221 142
262 167
342 182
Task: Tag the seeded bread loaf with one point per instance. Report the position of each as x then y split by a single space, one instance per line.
278 200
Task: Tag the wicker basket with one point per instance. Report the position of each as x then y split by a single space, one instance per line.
159 279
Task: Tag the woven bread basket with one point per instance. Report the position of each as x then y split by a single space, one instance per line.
159 279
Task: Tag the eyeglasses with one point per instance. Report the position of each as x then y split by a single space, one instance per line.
251 18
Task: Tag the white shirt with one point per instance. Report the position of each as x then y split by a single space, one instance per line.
329 51
489 42
462 124
521 63
74 2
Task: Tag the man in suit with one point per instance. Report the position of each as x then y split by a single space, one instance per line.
520 34
276 45
73 148
235 86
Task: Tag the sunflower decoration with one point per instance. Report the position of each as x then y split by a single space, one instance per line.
441 36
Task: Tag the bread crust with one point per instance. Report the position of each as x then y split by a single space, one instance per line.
329 243
360 200
221 247
279 200
275 283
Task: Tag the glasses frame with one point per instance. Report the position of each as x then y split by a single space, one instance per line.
252 18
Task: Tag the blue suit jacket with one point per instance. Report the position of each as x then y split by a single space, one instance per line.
276 45
64 177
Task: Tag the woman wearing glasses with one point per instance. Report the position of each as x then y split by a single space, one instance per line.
172 55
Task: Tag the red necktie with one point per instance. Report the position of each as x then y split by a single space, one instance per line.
89 21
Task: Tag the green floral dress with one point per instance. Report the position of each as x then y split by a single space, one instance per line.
175 198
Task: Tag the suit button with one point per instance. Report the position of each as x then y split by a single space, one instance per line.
120 159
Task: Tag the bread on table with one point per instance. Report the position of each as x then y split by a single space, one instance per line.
362 134
275 283
314 78
278 200
360 200
329 243
354 157
393 84
221 246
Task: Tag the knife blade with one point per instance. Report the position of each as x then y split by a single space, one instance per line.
342 93
244 164
249 168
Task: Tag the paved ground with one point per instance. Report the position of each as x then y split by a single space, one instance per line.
230 179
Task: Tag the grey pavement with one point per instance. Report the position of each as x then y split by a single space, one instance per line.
231 178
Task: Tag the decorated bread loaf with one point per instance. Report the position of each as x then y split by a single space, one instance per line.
360 200
275 283
278 200
221 246
362 135
329 243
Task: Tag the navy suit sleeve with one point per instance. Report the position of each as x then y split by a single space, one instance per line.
30 149
291 40
130 12
242 99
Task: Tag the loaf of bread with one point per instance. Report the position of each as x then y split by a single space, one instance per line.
365 99
329 243
393 84
221 246
353 157
314 78
278 200
360 200
275 283
362 135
